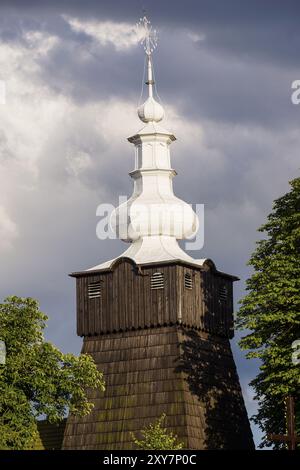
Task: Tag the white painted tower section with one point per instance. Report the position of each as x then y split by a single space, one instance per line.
153 219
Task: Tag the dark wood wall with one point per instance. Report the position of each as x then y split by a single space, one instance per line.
186 374
128 302
161 351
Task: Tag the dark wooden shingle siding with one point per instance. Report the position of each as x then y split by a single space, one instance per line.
161 351
167 370
128 302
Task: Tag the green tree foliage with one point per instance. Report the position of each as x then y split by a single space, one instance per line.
37 379
270 312
156 437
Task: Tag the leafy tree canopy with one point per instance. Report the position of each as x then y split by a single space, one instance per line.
37 380
270 312
156 437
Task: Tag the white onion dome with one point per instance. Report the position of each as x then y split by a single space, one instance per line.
151 111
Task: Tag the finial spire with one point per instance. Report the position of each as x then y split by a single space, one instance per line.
149 42
153 219
149 35
151 110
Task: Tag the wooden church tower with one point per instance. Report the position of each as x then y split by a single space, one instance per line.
157 321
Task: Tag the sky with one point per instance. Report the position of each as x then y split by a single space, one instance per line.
72 73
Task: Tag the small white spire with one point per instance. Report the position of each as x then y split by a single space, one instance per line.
150 81
149 42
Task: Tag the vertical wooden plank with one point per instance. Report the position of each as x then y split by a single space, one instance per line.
191 298
229 311
78 309
198 305
153 310
81 293
161 295
207 274
114 310
212 299
119 318
138 294
146 295
85 306
149 300
181 305
110 320
124 288
143 279
171 309
175 300
138 278
101 304
91 307
133 298
222 304
130 300
106 303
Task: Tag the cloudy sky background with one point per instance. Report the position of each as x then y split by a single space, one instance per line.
73 76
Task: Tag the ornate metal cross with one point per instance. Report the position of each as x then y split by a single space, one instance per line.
290 438
148 35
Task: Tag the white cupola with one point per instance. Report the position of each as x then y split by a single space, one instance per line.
153 218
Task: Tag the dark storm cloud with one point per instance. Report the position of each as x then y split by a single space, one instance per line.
233 82
225 73
262 29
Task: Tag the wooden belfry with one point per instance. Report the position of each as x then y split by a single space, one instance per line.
157 321
163 350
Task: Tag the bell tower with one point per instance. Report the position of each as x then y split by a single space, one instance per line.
157 321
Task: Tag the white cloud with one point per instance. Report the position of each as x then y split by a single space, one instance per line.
78 161
8 230
196 37
40 42
121 35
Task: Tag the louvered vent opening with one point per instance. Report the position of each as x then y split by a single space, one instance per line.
188 281
223 293
157 281
94 290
